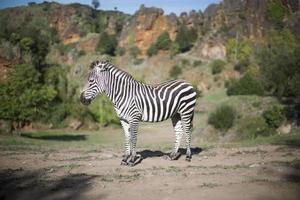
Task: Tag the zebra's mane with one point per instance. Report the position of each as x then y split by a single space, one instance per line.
108 66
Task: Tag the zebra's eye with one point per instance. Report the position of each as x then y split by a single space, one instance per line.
91 80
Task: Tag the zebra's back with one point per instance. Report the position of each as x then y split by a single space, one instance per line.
161 101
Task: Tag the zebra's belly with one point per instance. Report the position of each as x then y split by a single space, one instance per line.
158 113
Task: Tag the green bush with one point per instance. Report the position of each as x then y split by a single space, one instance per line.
274 116
134 51
217 66
103 111
197 63
182 39
198 92
242 66
107 44
250 128
279 64
175 72
22 97
152 50
247 85
276 12
163 42
223 117
238 50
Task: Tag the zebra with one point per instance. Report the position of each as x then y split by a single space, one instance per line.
135 101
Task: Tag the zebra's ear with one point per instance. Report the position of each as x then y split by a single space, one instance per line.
94 64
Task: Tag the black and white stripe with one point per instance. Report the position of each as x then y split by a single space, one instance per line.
135 101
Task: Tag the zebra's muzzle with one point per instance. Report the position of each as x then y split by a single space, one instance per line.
83 100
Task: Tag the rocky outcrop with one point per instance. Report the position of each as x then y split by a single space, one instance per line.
210 49
145 26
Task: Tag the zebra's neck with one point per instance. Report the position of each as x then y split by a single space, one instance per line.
120 86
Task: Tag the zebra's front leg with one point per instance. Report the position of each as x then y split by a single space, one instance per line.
134 158
127 143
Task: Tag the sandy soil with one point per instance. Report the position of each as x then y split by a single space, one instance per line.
260 172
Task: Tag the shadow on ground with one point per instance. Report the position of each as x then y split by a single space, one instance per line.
150 154
20 184
63 137
292 141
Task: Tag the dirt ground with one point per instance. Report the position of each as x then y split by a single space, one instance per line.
255 172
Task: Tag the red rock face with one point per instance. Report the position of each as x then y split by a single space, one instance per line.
145 27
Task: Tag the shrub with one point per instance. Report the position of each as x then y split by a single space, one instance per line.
222 118
103 111
121 51
217 66
152 50
238 50
274 116
107 44
247 85
242 66
174 49
185 62
276 12
186 38
134 51
198 92
22 97
163 42
175 71
197 63
250 128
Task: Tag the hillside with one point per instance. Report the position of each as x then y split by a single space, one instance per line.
213 49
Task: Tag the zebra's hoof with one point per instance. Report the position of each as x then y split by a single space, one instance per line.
188 158
173 156
124 163
135 160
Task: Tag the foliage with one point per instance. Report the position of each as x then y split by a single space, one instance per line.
22 97
251 127
197 63
107 44
247 85
238 50
185 38
274 116
198 92
163 42
175 71
242 66
95 3
280 64
217 66
223 117
174 49
152 50
276 12
134 51
103 111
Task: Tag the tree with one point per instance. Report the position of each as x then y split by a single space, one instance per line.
280 64
96 4
238 50
22 97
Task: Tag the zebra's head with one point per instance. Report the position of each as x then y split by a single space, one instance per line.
95 83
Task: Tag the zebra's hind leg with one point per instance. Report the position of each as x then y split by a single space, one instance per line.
178 128
187 127
134 158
